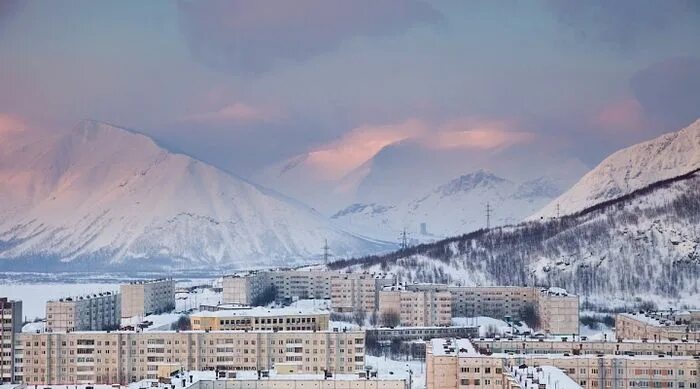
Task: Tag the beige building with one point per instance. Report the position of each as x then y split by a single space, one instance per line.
10 327
556 309
141 298
240 380
667 325
348 292
586 347
94 312
260 318
119 357
415 308
458 364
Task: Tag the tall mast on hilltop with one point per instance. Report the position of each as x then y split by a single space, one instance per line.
489 210
326 252
403 240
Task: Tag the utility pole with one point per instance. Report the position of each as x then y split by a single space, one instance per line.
326 252
403 240
489 210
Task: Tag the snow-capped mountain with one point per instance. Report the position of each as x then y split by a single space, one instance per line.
458 206
110 196
645 246
667 156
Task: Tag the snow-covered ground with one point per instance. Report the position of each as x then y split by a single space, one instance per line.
398 369
488 325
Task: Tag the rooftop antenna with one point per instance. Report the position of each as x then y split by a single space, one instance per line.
489 211
326 252
404 240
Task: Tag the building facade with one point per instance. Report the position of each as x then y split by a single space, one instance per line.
94 312
348 292
415 308
10 327
260 318
556 309
458 364
667 325
120 357
141 298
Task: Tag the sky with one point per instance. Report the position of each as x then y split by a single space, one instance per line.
248 84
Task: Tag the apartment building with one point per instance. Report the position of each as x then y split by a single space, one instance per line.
556 309
578 346
352 292
663 325
10 327
260 318
141 298
94 312
348 292
274 380
120 357
415 308
458 364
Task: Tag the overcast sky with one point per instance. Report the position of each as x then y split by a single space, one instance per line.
243 84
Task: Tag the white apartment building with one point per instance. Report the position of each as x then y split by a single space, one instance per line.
557 309
277 380
415 308
261 318
141 298
458 364
10 327
119 357
348 292
94 312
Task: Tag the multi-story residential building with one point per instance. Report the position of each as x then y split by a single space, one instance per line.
658 325
352 292
260 318
94 312
277 380
10 327
415 308
557 310
349 292
458 364
577 346
141 298
120 357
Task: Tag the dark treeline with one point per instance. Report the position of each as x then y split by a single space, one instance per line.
644 242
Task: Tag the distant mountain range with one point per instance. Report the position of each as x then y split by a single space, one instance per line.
101 196
629 230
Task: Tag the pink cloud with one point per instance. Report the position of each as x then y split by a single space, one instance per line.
622 115
234 113
335 160
471 133
10 124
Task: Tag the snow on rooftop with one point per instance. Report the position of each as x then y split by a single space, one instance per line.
262 312
549 376
445 347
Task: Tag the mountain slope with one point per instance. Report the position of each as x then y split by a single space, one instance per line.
646 244
670 155
458 205
103 194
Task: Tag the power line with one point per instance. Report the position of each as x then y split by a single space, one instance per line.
326 252
557 210
403 240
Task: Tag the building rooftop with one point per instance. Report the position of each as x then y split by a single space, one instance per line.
226 332
551 377
85 297
661 318
142 282
261 311
553 291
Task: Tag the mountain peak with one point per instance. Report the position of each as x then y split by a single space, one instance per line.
467 182
625 171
